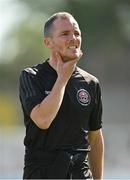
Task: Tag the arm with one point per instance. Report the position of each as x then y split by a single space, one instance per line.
96 155
44 113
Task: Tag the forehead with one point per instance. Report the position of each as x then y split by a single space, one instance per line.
65 24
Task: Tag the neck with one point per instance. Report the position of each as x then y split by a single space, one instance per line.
52 62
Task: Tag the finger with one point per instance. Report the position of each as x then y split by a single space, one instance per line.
58 56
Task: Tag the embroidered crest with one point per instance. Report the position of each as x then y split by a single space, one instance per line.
83 97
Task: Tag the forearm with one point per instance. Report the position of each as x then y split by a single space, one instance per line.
96 157
45 112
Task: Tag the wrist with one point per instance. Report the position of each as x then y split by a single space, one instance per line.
62 82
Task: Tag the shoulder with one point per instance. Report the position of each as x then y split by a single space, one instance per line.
87 76
32 71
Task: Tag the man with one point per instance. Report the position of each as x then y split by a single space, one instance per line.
62 109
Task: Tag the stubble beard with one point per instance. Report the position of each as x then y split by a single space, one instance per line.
71 58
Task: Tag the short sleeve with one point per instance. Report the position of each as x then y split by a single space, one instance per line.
95 122
29 91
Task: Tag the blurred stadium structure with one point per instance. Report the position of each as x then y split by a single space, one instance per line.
105 29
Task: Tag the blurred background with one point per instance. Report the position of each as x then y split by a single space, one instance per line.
105 26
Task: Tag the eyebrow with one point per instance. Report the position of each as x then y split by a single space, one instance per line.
67 31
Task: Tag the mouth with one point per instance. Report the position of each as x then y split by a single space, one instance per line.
73 47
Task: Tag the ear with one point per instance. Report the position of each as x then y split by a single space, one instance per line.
47 42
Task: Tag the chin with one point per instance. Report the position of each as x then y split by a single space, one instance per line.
70 58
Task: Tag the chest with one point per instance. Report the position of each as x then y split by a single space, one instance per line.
79 94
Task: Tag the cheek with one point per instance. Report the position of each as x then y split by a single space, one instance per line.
54 45
57 48
59 45
80 41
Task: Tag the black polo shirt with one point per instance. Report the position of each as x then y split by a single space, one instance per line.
80 111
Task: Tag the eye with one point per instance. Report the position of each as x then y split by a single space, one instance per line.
77 33
64 33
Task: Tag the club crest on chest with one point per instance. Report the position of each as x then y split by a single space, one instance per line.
83 97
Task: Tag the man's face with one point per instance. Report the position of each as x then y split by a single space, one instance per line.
66 39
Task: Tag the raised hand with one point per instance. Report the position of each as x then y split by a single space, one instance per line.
65 69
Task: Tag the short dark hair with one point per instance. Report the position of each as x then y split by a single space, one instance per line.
49 23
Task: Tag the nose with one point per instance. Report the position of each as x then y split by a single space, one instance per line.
72 37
